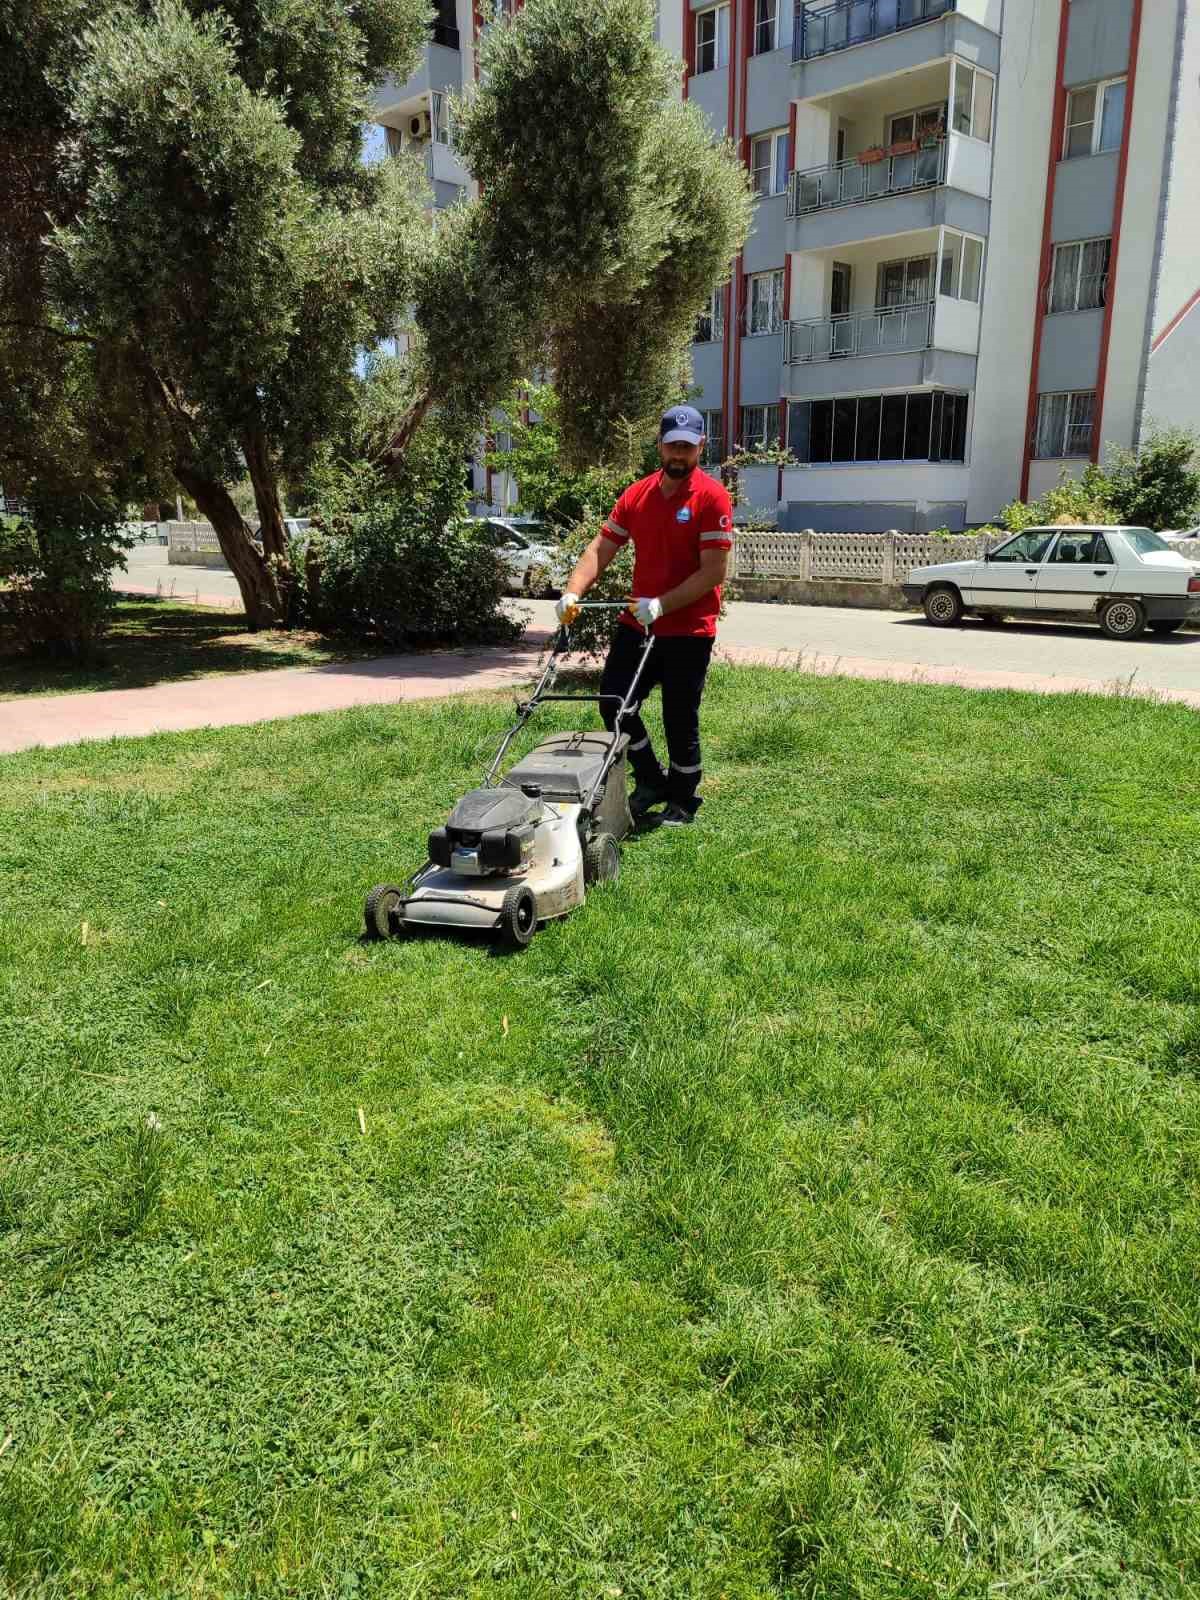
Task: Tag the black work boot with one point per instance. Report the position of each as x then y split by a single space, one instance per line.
647 793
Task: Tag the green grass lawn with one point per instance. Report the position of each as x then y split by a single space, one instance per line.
161 641
814 1214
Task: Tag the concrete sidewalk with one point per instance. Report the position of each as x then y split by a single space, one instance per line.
245 698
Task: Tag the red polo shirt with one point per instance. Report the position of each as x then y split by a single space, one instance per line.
668 536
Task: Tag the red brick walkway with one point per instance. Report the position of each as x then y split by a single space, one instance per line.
294 691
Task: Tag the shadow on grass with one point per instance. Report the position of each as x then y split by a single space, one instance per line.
160 641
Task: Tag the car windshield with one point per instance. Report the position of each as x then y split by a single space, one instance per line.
1144 543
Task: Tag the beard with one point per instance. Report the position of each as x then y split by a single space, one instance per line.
676 469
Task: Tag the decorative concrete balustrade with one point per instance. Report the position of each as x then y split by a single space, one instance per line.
854 557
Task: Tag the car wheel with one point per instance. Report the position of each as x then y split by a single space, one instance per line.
1167 625
943 606
1123 619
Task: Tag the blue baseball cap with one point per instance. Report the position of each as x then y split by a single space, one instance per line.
681 422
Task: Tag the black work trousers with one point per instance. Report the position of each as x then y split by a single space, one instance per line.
678 666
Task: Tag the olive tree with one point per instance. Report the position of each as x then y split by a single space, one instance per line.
211 242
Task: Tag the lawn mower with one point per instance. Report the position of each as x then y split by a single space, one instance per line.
524 848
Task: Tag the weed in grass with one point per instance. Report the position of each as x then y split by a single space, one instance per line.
126 1186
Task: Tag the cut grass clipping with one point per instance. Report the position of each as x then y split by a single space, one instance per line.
814 1214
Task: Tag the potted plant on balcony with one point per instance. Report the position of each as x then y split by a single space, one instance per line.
873 153
903 147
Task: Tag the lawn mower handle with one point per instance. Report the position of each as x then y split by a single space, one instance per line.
526 708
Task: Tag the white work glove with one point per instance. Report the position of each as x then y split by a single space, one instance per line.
566 608
646 611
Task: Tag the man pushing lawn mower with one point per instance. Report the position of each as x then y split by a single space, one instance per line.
681 524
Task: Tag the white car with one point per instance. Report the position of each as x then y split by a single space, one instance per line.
1179 535
527 551
1123 578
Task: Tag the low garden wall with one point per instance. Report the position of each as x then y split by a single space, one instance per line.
851 569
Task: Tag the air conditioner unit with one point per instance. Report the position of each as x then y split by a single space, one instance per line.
418 126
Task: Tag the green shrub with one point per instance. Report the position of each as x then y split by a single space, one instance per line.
1159 487
390 561
1084 499
389 576
56 565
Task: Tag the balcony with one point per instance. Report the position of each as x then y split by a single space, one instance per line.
899 170
884 330
931 342
853 44
819 30
440 70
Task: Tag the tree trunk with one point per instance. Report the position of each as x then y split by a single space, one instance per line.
265 480
255 577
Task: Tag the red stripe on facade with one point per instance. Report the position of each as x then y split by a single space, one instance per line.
787 285
741 35
1057 122
1135 34
1175 321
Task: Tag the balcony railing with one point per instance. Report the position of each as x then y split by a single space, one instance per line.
822 29
845 183
886 330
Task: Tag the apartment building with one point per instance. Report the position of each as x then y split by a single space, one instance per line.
974 261
973 264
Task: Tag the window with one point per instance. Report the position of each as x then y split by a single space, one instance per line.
1144 543
714 439
917 124
769 162
1081 549
904 283
973 94
1064 424
923 426
443 127
712 39
760 427
766 25
710 324
1028 547
1095 118
962 266
445 24
1079 280
766 302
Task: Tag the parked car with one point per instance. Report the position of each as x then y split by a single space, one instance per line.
1126 579
527 550
1178 535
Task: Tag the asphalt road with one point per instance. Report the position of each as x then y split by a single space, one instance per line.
1044 649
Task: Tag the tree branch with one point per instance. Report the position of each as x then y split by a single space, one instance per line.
57 333
408 425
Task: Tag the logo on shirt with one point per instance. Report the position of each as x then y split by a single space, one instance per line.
684 514
726 523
